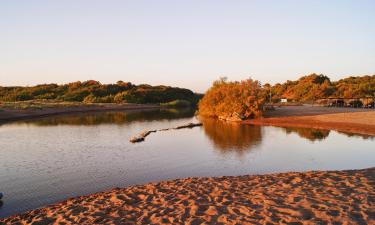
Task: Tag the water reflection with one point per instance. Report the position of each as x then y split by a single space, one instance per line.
113 117
227 137
308 133
363 136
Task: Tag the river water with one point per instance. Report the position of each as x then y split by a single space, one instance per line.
43 161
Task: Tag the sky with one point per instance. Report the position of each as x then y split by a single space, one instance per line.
184 43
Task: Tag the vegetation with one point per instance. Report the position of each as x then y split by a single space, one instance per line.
37 104
94 92
233 100
245 99
312 87
224 99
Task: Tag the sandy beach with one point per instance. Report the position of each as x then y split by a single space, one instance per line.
336 197
350 120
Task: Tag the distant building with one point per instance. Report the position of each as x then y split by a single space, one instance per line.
283 100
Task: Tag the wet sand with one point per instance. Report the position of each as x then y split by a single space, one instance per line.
308 110
12 114
334 197
350 120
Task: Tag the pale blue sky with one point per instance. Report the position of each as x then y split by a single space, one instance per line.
183 43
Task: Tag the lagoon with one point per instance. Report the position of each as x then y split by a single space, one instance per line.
48 160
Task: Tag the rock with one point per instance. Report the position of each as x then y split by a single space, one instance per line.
146 133
189 125
136 139
141 137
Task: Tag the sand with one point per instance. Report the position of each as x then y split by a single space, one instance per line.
308 110
349 120
336 197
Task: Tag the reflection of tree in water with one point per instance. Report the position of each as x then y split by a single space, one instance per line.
363 136
229 137
308 133
113 117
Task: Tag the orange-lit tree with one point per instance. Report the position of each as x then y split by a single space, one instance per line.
233 100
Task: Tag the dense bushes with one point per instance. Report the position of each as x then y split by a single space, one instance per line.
157 94
94 92
233 100
306 89
245 99
312 87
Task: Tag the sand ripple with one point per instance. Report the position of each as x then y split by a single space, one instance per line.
337 197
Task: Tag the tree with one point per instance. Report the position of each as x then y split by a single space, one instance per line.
241 100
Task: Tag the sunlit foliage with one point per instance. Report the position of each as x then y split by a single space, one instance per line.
355 87
225 99
312 87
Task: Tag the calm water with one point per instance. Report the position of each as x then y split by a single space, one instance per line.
48 160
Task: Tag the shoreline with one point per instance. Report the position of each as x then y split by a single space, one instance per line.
347 120
350 122
310 197
10 115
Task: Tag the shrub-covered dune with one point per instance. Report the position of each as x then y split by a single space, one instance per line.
94 92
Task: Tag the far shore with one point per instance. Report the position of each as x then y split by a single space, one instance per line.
321 197
14 114
350 120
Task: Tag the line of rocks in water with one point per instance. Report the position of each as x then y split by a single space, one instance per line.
141 137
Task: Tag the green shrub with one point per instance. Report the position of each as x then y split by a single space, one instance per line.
94 92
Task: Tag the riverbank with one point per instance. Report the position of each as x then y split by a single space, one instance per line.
350 120
42 110
309 198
